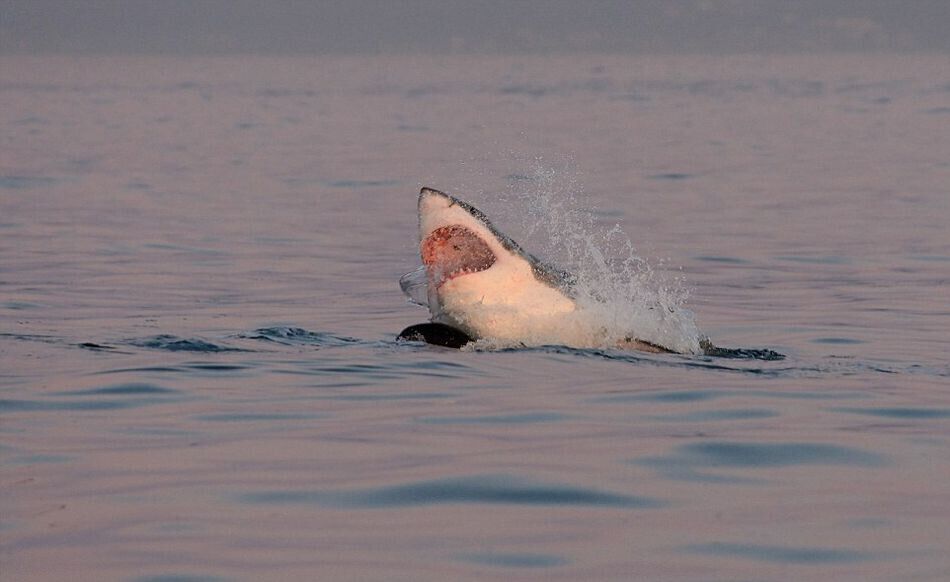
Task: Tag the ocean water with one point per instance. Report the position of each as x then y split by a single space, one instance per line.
199 264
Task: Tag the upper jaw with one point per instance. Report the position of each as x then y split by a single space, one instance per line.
438 209
448 277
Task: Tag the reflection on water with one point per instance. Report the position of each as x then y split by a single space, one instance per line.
779 554
199 378
505 560
682 463
892 412
485 489
174 344
528 417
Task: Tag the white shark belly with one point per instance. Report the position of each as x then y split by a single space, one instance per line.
508 305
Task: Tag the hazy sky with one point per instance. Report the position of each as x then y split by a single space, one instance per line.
441 26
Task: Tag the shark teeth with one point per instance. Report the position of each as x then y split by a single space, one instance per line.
453 251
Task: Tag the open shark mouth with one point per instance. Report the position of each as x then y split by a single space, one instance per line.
452 251
480 282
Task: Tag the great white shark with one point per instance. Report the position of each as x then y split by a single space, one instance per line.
480 284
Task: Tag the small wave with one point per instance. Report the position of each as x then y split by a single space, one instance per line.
299 336
721 259
29 337
112 397
96 347
755 362
904 413
25 182
718 415
781 554
251 417
672 176
838 341
504 490
130 389
760 455
691 396
692 462
10 405
747 363
19 305
388 371
171 343
514 560
524 418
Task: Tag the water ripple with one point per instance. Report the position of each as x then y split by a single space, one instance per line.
122 396
504 490
689 396
132 388
257 417
515 560
714 415
756 455
781 554
738 360
299 336
171 343
899 412
526 418
683 463
25 182
674 176
390 370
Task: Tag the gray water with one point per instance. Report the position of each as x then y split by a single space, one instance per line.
199 303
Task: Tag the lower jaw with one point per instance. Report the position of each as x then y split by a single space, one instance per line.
452 278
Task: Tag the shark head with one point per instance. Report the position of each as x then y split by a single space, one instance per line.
482 282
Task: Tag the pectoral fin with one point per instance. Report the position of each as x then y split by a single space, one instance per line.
437 334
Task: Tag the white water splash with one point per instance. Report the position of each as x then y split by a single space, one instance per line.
618 293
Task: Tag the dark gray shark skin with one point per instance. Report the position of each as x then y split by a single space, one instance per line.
437 334
546 273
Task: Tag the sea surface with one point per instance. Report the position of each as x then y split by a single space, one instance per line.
199 299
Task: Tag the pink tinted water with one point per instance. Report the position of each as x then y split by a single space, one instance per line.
198 300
